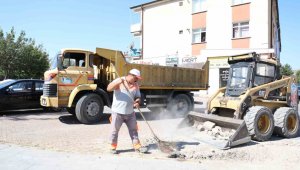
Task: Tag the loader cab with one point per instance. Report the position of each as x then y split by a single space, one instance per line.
240 78
247 72
264 73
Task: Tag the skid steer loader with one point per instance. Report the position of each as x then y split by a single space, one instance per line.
256 103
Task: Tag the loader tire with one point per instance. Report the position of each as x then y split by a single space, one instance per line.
180 105
260 123
89 108
286 122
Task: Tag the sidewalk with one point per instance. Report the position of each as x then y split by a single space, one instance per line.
13 157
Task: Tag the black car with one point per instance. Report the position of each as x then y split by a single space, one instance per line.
299 91
20 94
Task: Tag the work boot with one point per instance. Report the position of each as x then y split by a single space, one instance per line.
113 151
141 149
113 148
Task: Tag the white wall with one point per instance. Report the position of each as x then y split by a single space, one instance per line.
161 30
259 24
219 24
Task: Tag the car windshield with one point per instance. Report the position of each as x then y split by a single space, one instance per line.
6 82
239 77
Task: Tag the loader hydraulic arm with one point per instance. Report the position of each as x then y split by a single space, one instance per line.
264 90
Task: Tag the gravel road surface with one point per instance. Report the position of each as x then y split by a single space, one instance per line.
61 132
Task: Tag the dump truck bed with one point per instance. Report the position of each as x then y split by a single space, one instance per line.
160 77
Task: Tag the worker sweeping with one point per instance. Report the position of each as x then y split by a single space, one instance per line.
126 96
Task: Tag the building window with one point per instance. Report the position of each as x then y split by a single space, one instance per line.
236 2
240 30
199 6
199 35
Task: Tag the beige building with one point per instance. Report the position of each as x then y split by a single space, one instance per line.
191 31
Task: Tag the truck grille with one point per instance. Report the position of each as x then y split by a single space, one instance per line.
50 90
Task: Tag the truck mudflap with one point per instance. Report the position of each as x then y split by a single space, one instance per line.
221 132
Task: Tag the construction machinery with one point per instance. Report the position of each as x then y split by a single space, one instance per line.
79 78
255 104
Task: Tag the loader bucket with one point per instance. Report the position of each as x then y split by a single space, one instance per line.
235 129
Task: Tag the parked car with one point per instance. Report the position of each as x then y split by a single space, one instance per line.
20 94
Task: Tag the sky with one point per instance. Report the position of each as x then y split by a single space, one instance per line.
88 24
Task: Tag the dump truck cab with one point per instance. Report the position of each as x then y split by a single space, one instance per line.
74 77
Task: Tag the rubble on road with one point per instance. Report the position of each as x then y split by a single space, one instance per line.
208 125
211 129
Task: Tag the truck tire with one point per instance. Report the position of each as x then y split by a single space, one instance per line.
89 108
180 105
286 122
260 123
71 110
155 109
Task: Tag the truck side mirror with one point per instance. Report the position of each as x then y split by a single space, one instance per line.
59 63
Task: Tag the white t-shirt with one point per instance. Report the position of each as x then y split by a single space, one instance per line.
122 100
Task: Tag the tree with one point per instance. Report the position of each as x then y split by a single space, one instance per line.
20 57
298 76
286 70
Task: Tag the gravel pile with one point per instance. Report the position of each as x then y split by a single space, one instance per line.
216 132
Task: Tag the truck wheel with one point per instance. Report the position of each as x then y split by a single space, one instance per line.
260 123
155 109
89 108
286 122
71 110
180 105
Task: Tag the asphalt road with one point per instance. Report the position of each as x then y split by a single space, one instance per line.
14 157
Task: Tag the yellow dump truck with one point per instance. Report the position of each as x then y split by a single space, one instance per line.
79 78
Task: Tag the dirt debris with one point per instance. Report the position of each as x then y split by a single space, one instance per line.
213 154
208 125
216 132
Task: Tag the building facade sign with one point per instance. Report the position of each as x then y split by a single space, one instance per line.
223 73
171 61
189 60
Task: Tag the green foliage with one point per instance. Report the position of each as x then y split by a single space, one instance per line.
286 70
20 57
298 76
